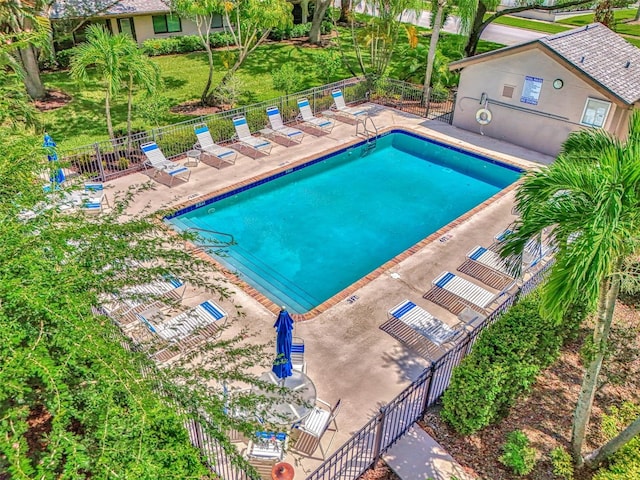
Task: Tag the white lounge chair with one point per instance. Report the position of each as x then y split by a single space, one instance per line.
275 120
123 306
157 160
465 289
489 258
308 118
340 106
423 322
258 145
205 315
208 147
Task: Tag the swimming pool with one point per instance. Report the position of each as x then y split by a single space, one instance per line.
306 233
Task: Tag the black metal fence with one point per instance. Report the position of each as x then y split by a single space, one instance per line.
110 159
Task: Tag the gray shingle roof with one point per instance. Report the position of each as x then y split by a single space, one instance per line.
603 55
82 8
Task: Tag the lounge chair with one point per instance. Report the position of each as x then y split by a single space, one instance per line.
258 145
123 306
275 120
157 161
419 330
488 267
341 107
308 118
207 317
423 322
208 147
456 293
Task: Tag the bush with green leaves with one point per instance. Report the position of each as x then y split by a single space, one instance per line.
517 453
504 364
184 44
562 463
293 31
328 64
625 463
288 78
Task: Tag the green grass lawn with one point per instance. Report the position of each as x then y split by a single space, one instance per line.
534 25
620 16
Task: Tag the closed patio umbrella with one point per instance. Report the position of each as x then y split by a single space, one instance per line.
57 177
284 329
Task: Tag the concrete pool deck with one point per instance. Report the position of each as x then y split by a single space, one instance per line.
348 356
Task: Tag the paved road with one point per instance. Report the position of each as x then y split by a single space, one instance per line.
493 33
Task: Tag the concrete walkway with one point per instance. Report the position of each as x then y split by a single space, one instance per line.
417 456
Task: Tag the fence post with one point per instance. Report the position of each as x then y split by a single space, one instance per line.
96 146
377 440
425 404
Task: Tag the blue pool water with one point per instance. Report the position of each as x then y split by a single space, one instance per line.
314 230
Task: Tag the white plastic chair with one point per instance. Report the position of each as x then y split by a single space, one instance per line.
314 426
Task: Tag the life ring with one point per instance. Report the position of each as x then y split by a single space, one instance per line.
483 116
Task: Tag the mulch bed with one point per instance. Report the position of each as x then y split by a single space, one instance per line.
545 414
53 100
380 472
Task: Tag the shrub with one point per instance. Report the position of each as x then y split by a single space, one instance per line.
221 129
504 364
328 63
288 78
518 455
625 463
562 463
183 44
439 93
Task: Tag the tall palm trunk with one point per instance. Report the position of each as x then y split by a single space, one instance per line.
435 35
129 104
609 290
107 110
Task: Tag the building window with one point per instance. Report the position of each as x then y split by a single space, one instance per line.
125 25
595 112
166 24
216 21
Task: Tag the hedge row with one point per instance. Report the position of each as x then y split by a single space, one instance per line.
504 363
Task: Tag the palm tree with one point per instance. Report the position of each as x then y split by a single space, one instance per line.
588 201
436 25
142 72
108 54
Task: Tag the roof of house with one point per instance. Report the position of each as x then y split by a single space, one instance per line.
88 8
593 51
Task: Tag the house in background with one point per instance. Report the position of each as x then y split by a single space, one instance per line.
141 19
536 93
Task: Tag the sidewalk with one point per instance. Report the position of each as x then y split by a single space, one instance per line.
417 456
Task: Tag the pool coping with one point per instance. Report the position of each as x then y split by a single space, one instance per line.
351 289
